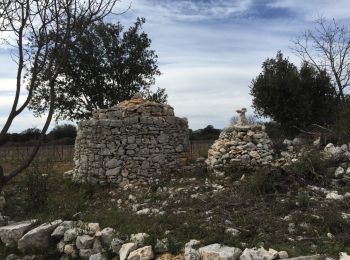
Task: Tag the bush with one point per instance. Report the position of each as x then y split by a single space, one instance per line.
311 168
37 189
342 125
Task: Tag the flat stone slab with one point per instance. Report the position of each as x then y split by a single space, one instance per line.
10 234
39 238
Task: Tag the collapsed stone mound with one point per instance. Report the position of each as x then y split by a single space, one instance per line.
135 139
241 143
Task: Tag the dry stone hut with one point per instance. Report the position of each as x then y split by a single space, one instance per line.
135 139
241 143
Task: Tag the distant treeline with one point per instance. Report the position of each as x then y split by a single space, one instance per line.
59 135
65 135
207 133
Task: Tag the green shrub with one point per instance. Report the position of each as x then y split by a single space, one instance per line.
310 168
37 189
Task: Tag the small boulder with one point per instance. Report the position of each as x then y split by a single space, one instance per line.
139 238
71 251
218 251
70 235
126 249
12 233
84 242
97 256
232 231
143 253
86 253
339 172
344 256
62 228
107 235
260 253
38 238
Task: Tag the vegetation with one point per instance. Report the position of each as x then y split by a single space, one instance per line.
327 48
60 134
292 96
104 67
257 207
207 133
42 33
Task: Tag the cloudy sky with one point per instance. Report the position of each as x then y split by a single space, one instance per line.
209 50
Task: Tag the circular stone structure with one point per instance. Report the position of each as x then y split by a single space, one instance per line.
241 143
136 139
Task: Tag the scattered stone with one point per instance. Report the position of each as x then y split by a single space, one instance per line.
62 228
107 235
86 253
97 256
38 238
333 195
70 235
144 253
233 232
191 253
70 250
283 254
260 253
139 238
217 251
12 233
339 172
126 249
344 256
84 242
310 257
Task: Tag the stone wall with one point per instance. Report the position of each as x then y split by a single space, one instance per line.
136 139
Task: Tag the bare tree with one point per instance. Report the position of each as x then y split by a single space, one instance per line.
327 47
41 34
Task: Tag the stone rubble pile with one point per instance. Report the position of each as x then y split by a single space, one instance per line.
77 239
135 139
240 143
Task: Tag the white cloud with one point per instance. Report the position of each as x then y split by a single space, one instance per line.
209 50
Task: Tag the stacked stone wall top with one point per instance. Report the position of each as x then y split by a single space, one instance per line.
135 140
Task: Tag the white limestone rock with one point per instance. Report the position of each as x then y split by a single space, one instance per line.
344 256
126 249
143 253
191 253
232 231
139 238
10 234
70 235
84 242
309 257
218 251
97 256
259 254
339 172
38 238
107 235
62 228
333 195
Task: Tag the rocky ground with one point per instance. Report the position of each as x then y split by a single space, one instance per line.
302 209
